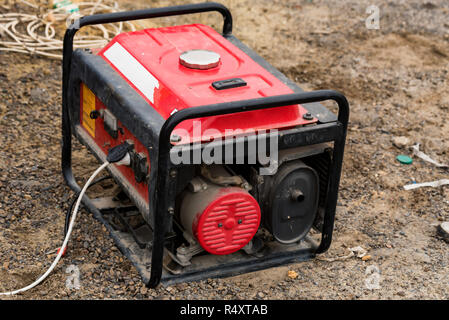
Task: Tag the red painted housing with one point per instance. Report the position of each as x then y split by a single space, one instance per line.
149 61
176 87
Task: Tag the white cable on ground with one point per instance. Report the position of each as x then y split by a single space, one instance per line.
66 240
44 43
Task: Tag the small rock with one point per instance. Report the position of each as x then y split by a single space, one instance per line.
292 274
429 5
400 293
366 258
39 95
144 290
443 230
412 91
401 142
260 295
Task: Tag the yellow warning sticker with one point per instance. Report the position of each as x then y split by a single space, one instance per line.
88 107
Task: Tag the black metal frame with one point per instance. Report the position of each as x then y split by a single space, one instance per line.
165 190
111 18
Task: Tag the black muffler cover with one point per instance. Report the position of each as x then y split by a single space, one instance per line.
292 202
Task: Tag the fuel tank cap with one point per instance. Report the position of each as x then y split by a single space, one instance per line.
199 59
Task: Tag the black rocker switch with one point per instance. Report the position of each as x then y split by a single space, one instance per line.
228 84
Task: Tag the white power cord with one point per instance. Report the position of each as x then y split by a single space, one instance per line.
39 37
66 240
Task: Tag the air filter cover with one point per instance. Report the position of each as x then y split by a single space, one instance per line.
229 221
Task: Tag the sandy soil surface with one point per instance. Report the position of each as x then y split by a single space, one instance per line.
397 81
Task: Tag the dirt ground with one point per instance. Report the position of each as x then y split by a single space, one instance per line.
396 79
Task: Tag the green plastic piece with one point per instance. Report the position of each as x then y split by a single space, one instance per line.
404 159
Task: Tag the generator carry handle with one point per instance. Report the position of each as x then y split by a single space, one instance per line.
112 18
164 167
140 15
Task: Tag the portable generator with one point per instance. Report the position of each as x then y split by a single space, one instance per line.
195 110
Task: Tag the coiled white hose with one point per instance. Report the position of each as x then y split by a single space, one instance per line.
39 38
66 239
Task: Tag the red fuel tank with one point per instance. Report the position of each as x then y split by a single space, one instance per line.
154 63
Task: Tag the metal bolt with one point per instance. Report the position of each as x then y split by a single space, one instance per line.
171 210
220 225
297 195
173 173
240 221
175 138
307 116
